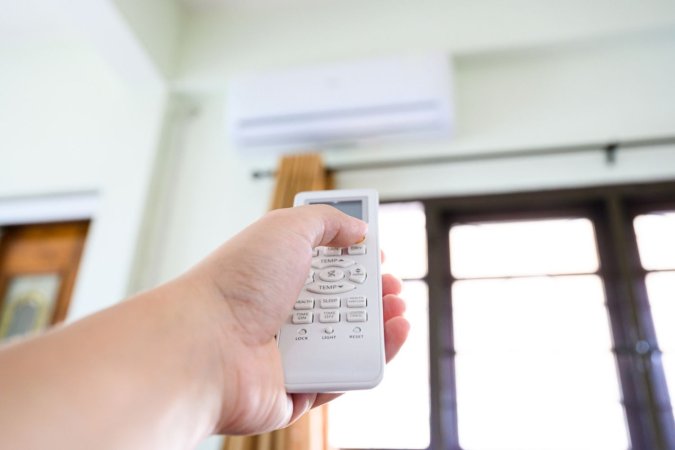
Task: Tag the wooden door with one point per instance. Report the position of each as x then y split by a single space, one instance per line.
38 266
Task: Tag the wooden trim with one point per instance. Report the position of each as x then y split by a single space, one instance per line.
297 173
69 278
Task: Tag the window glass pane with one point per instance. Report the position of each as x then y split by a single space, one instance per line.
523 248
519 401
534 365
537 314
403 239
661 291
396 413
656 240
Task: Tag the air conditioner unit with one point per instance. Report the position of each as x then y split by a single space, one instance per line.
342 104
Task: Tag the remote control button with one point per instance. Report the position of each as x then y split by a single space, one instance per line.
357 278
315 251
303 317
357 329
322 263
358 269
329 316
329 330
304 303
330 303
356 249
357 274
332 251
356 316
356 302
302 331
330 288
332 274
310 277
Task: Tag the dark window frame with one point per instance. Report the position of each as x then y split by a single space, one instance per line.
611 210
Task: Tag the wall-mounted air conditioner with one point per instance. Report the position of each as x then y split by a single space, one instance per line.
342 104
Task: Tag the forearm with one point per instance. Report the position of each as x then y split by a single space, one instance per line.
139 375
174 364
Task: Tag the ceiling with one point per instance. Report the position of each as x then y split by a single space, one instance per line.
248 4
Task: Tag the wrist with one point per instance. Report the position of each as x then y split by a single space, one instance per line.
249 400
191 321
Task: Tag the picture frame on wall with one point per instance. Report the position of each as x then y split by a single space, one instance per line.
28 304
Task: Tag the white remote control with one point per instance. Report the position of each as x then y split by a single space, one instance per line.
333 340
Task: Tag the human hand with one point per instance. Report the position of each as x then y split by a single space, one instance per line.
192 357
255 279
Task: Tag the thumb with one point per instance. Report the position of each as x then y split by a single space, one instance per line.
320 225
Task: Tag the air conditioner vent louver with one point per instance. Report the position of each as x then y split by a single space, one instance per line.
348 104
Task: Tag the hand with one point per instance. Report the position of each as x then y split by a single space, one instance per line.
192 357
257 277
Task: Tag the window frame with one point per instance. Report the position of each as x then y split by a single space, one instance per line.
612 210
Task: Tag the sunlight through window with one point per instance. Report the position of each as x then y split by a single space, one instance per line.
533 358
656 241
396 413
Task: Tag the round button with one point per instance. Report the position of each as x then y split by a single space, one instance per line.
332 274
302 331
357 329
329 330
358 270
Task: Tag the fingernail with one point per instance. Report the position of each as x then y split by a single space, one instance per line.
289 412
289 405
308 404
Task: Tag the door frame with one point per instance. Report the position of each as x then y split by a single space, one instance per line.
110 248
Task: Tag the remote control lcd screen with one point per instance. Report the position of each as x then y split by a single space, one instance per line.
353 208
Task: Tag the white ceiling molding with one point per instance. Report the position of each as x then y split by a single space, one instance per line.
48 208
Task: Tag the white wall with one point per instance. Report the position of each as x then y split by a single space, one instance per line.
527 75
69 124
204 195
157 25
57 105
600 91
219 44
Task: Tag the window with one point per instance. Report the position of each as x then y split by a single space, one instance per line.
656 241
519 290
543 319
539 321
400 404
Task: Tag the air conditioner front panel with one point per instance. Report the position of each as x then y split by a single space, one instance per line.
341 103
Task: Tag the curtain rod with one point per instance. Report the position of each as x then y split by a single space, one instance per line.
609 148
